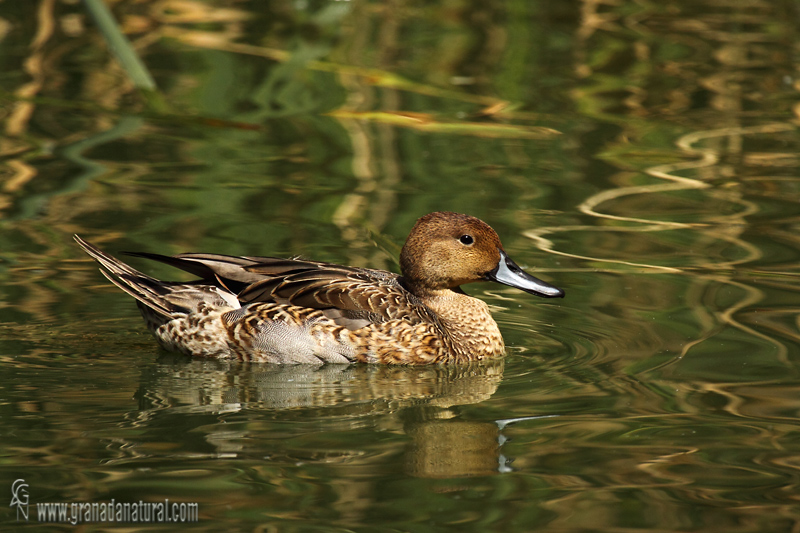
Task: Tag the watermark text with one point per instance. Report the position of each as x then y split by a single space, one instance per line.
102 512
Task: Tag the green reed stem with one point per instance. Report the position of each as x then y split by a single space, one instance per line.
120 46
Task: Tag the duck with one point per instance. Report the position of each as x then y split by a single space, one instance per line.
296 311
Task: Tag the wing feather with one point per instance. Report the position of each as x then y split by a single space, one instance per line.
353 297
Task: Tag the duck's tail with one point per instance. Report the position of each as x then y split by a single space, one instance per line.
150 292
159 301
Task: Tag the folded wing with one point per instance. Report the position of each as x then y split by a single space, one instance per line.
353 297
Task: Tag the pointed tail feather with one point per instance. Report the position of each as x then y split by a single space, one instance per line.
147 290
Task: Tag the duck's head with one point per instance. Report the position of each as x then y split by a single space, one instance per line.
446 250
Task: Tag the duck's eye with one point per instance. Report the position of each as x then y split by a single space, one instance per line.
466 239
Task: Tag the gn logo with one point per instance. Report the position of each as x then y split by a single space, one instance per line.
20 498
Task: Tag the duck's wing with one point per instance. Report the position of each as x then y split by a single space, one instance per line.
364 294
210 267
353 297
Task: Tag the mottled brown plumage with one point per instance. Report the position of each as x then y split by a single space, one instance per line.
294 311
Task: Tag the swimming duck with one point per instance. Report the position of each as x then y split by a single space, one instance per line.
296 311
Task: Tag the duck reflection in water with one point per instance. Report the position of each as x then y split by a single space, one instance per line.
421 402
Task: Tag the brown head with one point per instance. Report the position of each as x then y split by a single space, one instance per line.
445 250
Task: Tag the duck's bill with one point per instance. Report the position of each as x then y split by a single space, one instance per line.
509 273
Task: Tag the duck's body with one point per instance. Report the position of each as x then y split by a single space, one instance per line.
293 311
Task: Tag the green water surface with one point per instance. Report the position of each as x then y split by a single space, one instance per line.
641 155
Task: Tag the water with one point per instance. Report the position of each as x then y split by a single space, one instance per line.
642 157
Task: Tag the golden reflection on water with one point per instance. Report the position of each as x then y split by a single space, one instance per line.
446 449
706 231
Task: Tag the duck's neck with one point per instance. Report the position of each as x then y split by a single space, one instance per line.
468 321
